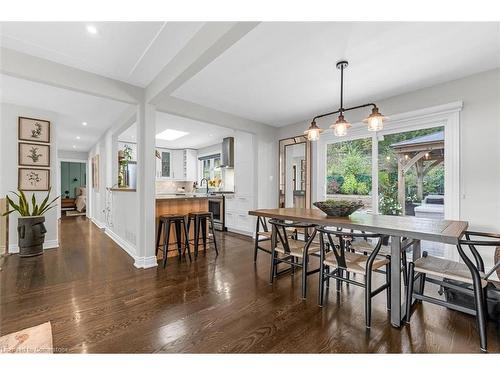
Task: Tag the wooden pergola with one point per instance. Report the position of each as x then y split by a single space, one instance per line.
414 152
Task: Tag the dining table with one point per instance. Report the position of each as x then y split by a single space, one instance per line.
406 234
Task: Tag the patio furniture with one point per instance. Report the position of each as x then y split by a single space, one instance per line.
439 271
291 251
342 261
432 207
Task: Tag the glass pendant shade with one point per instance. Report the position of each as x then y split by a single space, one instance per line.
340 127
313 132
375 120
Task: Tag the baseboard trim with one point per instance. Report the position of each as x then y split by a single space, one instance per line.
146 262
239 231
139 262
98 223
53 244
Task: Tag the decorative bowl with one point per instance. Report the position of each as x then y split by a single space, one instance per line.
338 208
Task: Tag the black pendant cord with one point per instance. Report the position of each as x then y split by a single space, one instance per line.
341 65
341 89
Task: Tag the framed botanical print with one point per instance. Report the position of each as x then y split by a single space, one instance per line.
34 154
32 129
33 179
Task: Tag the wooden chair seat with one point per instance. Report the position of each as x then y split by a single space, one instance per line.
266 234
363 246
446 269
297 248
355 262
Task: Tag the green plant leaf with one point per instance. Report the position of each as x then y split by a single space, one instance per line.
25 204
48 207
8 212
13 205
44 202
33 202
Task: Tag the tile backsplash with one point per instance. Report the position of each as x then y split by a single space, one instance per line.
168 187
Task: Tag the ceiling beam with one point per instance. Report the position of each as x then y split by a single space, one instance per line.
21 65
211 41
198 112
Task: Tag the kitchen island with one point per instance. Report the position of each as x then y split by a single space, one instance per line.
179 204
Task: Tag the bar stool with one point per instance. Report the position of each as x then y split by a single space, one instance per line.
200 220
179 222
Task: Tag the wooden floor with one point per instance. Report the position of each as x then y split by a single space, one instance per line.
99 303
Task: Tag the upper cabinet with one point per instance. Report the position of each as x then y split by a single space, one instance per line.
177 165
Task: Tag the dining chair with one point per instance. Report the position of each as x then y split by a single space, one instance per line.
285 248
363 245
337 259
262 234
440 271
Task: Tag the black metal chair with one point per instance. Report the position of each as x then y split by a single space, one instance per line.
440 271
361 244
338 256
179 223
262 234
291 251
200 220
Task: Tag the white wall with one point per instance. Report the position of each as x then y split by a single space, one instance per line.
9 170
479 140
72 155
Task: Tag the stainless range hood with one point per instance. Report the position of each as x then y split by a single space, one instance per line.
227 156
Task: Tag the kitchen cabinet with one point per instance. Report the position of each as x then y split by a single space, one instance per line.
238 205
179 165
190 165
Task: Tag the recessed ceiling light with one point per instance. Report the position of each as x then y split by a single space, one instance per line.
74 146
77 137
91 29
84 123
171 134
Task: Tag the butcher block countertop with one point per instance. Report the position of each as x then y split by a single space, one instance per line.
181 196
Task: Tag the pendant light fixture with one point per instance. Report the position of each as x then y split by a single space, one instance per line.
375 121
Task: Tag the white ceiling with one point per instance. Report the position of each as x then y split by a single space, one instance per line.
201 134
132 52
282 73
72 108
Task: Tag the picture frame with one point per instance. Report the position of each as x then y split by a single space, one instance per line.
33 154
95 172
33 179
34 130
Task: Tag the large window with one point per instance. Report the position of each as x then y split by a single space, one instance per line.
210 167
349 170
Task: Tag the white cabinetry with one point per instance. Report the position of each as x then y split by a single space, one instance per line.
190 165
238 205
183 165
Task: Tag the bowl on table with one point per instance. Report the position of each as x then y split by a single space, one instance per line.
338 207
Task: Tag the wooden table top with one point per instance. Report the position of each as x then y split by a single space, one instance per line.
444 231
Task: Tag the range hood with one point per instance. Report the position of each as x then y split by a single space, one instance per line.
227 155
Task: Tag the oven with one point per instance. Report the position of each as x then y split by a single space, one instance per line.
216 205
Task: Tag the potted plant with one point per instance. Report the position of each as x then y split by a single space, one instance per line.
30 225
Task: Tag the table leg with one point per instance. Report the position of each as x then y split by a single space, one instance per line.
396 281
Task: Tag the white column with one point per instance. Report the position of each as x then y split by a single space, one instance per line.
146 126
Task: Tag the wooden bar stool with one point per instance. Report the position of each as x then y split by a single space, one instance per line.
179 223
200 222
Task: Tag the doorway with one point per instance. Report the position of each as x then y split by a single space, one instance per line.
73 180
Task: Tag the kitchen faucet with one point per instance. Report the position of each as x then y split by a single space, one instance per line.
206 180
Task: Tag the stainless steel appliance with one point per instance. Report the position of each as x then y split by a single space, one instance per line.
216 205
